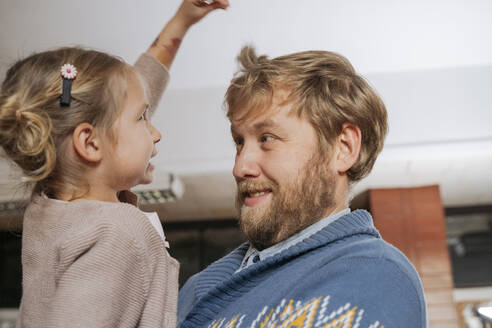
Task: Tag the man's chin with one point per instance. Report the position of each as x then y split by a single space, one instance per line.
250 215
254 222
253 213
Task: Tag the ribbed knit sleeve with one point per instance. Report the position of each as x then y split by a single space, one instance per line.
154 76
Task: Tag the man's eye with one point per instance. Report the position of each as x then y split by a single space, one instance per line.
266 138
238 142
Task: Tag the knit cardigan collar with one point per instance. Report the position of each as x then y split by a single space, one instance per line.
124 196
219 281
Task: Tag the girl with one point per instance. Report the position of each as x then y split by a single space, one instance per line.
77 123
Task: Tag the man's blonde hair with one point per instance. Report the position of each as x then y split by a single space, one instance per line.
323 88
33 124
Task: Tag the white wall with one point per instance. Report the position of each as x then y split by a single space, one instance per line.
431 61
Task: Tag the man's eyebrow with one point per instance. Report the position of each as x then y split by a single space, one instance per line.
268 123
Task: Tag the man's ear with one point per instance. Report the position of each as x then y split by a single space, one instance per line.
87 143
348 147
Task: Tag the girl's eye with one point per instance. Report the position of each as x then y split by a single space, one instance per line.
144 116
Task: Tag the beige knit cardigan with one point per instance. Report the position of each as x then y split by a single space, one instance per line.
97 264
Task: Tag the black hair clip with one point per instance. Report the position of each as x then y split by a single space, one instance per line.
68 73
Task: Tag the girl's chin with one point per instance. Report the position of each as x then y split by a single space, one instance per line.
146 178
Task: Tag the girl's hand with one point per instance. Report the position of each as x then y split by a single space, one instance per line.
192 11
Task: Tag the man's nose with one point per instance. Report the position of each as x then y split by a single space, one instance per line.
246 164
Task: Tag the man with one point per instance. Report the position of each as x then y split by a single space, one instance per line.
306 128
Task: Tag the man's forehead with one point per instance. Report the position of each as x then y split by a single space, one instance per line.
260 115
272 118
261 107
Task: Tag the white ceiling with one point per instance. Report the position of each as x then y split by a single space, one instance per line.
431 61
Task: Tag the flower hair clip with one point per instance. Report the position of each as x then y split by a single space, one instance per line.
68 73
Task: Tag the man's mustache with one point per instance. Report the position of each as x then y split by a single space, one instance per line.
248 186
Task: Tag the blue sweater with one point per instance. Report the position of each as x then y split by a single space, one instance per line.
345 275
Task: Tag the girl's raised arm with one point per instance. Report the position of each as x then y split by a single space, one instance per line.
167 43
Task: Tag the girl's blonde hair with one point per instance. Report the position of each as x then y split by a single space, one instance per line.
34 127
323 88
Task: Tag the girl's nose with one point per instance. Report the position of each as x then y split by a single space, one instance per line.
156 134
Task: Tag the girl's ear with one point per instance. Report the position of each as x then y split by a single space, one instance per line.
87 143
348 145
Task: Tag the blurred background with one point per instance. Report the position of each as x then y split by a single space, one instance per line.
430 190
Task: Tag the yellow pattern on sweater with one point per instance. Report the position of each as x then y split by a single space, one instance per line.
311 314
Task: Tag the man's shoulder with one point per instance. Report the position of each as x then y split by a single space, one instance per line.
374 248
360 250
354 237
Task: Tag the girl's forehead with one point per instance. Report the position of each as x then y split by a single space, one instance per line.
135 85
135 100
139 83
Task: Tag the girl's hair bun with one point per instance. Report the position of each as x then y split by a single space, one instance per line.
25 135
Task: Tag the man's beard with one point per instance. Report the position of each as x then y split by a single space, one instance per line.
294 206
